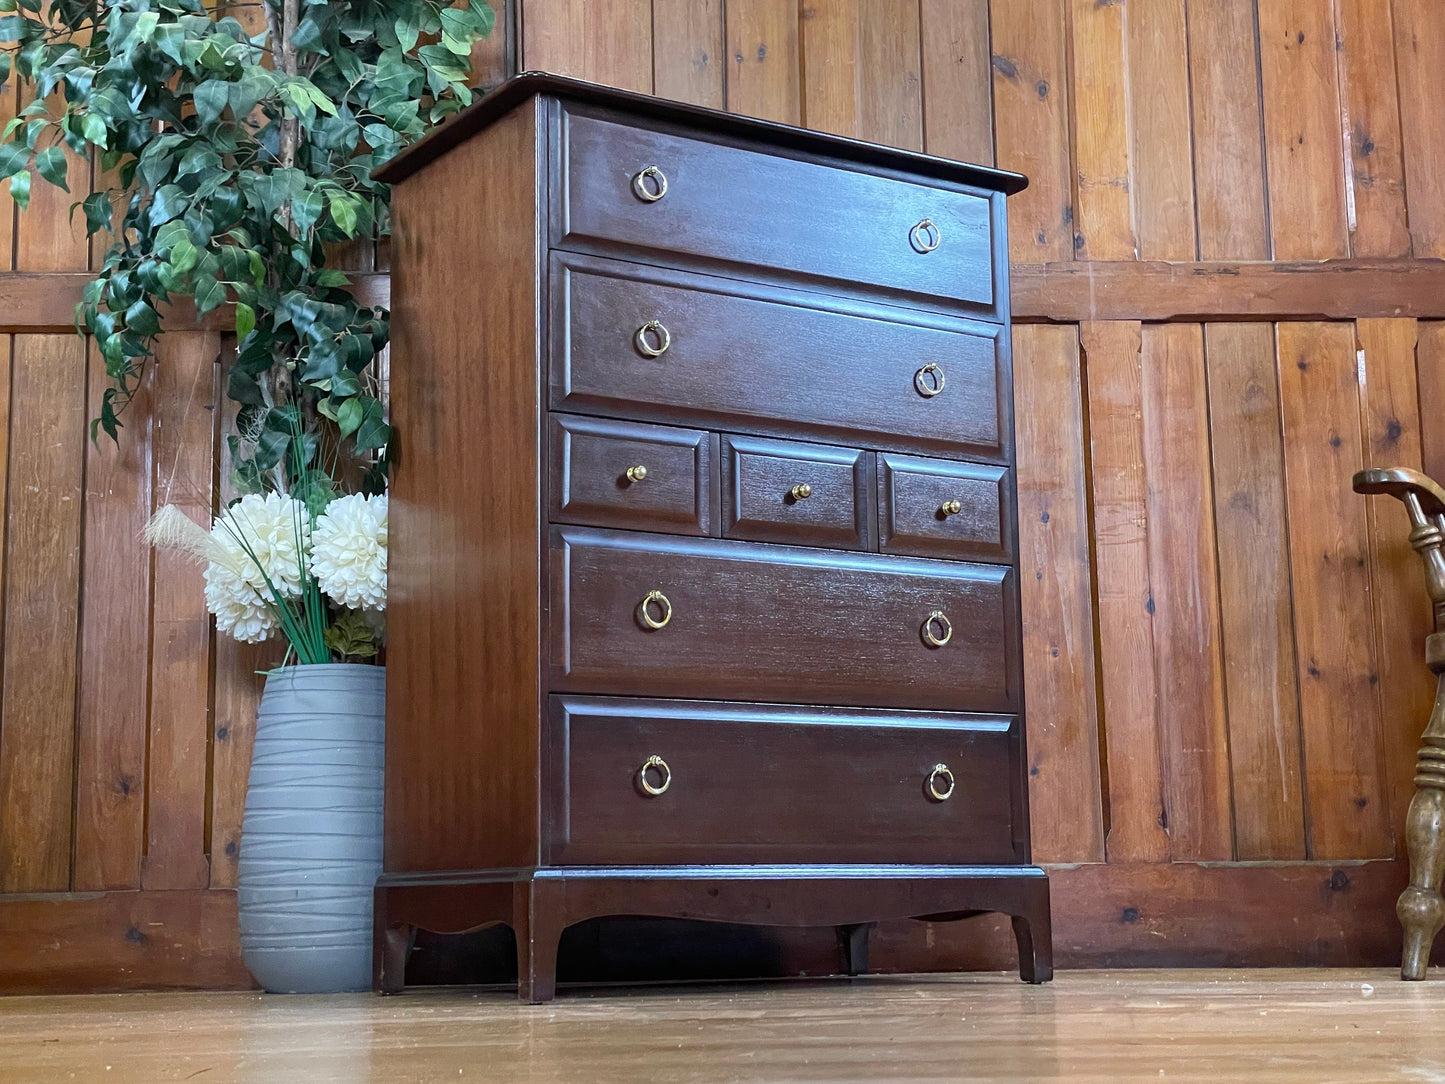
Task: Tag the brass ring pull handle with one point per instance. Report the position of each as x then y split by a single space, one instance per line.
651 193
940 783
637 473
660 765
925 237
801 491
929 380
951 508
664 607
645 336
945 633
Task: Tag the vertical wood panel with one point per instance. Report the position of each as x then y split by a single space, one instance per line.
1256 612
687 51
1162 179
185 397
890 90
1137 814
861 70
42 584
828 34
957 80
1184 584
46 237
237 696
1420 62
1430 355
1302 129
1347 811
1371 126
763 60
1031 126
115 649
8 210
1104 222
605 41
1063 737
1402 613
1228 131
489 56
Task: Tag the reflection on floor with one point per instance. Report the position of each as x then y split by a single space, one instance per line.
1216 1026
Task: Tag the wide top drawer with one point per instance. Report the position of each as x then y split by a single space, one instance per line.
623 185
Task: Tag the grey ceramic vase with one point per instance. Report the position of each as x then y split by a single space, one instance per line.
311 838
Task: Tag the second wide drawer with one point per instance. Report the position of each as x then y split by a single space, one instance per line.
652 615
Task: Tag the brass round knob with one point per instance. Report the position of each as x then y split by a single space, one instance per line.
945 629
650 184
801 491
925 236
940 783
951 508
928 380
664 607
657 764
639 472
652 339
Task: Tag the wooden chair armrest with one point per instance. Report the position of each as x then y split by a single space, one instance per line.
1400 482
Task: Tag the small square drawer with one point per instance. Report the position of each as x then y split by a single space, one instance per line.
938 508
806 494
608 473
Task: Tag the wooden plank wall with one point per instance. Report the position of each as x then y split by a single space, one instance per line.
1223 642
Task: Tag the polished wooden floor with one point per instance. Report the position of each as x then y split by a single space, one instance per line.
1216 1026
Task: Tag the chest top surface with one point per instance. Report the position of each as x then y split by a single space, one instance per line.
762 134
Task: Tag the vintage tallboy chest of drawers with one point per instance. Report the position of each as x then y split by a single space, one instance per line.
704 587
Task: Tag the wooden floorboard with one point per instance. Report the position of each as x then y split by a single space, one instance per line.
1262 1026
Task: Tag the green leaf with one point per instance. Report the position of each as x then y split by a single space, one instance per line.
211 99
344 383
408 27
98 212
94 130
485 15
51 164
169 202
142 319
349 416
343 211
20 189
13 158
209 295
332 277
245 319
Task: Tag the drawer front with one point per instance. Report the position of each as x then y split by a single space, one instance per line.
751 208
645 477
807 494
742 356
751 783
747 620
939 508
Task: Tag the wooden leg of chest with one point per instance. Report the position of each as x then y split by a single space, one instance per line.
1421 908
853 940
538 923
1034 934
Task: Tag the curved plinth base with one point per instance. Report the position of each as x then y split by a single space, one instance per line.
540 903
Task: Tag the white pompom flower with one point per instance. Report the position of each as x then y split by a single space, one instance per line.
348 551
256 540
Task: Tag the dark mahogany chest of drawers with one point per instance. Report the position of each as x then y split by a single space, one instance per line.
704 587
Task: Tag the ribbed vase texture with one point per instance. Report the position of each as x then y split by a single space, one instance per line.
311 838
